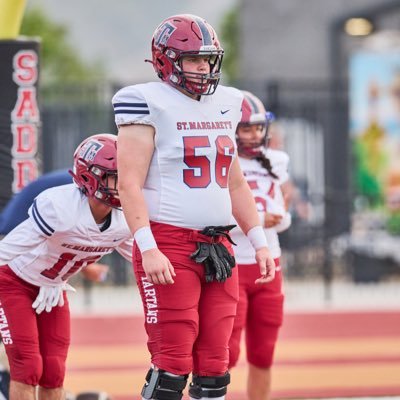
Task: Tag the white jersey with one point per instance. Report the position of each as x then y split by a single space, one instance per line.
61 236
268 196
280 162
187 182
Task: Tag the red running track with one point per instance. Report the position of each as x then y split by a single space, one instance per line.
320 354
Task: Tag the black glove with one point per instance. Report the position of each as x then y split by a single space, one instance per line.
227 260
215 257
201 257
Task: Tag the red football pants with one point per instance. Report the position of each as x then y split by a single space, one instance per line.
36 345
260 313
188 323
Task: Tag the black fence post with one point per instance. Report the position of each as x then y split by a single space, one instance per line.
273 100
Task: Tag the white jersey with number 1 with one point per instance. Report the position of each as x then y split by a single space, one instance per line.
61 236
187 182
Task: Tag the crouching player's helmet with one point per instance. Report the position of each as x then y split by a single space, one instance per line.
186 35
95 168
253 113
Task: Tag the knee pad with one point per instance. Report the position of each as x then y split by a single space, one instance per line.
162 385
53 372
209 386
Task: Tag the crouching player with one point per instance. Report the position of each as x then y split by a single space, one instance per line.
69 227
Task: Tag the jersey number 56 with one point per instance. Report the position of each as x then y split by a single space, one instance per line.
202 164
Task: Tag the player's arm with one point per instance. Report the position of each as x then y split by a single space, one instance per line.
286 219
95 272
243 204
135 151
20 240
40 225
285 223
280 166
24 237
125 249
245 213
288 190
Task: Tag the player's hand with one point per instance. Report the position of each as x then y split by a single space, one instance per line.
157 267
267 266
270 220
95 272
50 296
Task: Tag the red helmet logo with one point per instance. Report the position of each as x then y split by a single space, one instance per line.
95 168
162 34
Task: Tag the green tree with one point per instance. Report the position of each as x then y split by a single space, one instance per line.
230 43
60 62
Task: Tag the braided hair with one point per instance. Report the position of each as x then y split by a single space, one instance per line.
266 163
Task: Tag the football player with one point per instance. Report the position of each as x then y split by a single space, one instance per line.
69 227
179 182
260 308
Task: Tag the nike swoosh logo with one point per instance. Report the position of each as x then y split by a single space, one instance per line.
224 112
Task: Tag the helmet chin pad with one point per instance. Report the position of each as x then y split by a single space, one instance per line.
249 151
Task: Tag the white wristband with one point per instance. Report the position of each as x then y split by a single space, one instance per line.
257 237
144 239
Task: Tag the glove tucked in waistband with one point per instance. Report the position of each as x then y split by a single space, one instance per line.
215 257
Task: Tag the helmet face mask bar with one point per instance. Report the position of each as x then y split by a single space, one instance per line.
95 169
107 191
254 148
198 83
183 36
